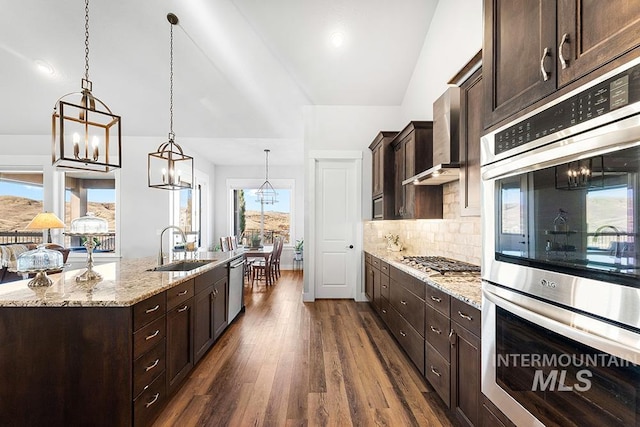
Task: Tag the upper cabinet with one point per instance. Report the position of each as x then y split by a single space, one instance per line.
413 152
382 175
533 47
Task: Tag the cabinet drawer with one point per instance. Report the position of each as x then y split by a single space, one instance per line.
375 262
149 310
413 284
148 366
367 257
148 337
410 340
147 406
384 267
203 281
438 299
437 332
437 372
384 311
179 294
466 316
384 286
410 307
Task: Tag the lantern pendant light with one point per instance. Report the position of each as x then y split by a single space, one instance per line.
266 193
169 168
85 133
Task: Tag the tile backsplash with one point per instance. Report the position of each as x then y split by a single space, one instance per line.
452 237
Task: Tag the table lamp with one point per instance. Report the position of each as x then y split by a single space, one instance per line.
45 221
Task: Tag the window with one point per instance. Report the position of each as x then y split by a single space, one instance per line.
21 195
253 218
189 213
91 192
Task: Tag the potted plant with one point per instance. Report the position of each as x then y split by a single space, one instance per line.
297 249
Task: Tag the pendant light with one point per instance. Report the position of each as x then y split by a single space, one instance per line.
169 168
266 194
85 133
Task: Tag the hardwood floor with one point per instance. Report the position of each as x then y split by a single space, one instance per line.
288 363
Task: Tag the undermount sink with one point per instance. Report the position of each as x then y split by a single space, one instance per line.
182 265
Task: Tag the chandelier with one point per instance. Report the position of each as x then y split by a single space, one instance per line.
266 194
85 133
169 168
580 174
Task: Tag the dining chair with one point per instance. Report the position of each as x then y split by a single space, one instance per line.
262 270
276 261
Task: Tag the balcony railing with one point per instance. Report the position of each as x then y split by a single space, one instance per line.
8 237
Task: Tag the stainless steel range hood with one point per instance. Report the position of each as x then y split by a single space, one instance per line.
446 142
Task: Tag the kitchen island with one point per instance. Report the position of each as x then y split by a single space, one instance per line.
109 352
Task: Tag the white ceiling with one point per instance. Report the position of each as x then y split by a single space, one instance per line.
243 69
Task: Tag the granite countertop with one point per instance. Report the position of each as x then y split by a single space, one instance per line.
467 288
124 283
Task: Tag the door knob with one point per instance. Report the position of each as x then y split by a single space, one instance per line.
350 246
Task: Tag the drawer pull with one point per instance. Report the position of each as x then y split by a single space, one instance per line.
436 299
436 330
152 401
435 372
384 311
180 310
181 293
465 316
384 286
403 334
151 310
153 365
153 335
403 302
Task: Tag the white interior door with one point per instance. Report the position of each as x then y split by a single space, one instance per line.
336 220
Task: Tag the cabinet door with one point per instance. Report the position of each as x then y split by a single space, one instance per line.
203 333
376 170
471 127
179 343
592 33
465 375
398 173
220 304
369 281
519 55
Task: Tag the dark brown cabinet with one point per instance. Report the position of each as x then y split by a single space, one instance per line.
210 309
471 129
369 277
413 153
532 48
376 282
465 363
438 357
491 416
180 325
382 175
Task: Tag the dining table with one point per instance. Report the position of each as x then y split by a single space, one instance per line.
262 252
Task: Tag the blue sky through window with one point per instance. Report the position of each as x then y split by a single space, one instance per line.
283 205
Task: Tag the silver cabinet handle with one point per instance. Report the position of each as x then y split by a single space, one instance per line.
403 334
155 398
435 372
151 310
180 310
563 61
384 311
153 365
436 299
186 291
384 286
545 74
465 316
403 302
436 330
153 335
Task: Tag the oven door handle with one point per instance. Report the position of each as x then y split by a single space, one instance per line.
596 339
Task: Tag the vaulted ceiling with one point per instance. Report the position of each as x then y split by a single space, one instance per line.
243 69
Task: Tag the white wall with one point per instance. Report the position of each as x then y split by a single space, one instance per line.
454 37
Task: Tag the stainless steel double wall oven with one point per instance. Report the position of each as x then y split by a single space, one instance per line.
561 265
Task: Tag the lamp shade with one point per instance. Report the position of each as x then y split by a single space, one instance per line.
44 221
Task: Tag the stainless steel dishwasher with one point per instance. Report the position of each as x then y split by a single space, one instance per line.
236 282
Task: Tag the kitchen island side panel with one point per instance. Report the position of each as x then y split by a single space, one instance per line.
62 366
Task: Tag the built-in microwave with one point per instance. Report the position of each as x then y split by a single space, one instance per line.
561 216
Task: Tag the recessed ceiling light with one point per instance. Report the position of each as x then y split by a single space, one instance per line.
337 39
44 67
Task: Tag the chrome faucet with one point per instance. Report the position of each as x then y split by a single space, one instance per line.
184 239
616 231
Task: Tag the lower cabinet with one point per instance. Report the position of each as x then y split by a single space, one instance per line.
491 416
180 359
441 336
220 306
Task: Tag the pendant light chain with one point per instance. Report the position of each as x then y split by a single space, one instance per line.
267 166
86 40
171 134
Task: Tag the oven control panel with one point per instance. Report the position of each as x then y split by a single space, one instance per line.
611 94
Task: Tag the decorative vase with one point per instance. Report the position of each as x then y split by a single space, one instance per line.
395 248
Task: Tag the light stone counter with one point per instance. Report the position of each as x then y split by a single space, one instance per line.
123 284
467 288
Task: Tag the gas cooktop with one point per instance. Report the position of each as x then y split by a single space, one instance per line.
440 264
